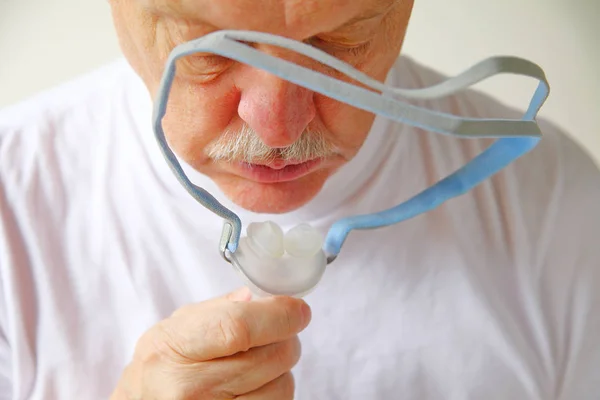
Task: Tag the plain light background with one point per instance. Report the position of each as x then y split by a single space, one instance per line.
46 42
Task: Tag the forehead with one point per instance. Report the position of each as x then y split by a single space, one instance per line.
293 18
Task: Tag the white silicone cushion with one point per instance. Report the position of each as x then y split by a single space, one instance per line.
269 270
303 241
268 237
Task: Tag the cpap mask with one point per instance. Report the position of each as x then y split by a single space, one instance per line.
273 262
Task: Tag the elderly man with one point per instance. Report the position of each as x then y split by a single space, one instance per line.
112 285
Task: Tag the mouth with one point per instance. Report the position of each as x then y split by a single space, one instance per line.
275 171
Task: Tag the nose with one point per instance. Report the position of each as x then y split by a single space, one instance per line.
277 110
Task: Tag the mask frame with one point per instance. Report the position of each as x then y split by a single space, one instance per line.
515 137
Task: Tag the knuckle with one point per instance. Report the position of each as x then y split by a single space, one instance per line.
159 344
170 343
145 349
234 332
160 366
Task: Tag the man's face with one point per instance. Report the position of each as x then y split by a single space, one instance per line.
268 144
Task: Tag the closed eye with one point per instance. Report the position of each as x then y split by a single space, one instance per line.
340 49
203 64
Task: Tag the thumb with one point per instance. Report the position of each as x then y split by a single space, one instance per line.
241 294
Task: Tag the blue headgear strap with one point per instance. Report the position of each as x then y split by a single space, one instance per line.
515 137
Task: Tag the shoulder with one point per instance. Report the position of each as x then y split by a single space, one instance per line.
557 171
50 135
69 95
543 203
544 209
59 109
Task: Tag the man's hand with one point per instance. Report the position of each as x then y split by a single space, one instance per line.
225 348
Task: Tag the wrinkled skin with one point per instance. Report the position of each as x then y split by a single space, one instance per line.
211 94
223 348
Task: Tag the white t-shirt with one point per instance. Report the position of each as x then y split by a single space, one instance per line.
494 295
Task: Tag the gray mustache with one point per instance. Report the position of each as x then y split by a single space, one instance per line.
246 146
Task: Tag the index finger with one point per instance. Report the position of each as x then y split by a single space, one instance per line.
218 328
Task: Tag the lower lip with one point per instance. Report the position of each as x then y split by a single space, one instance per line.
264 174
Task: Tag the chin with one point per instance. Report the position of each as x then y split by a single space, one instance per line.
272 198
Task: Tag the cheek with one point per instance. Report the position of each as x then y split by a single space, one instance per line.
198 114
347 125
